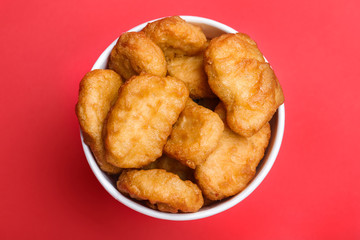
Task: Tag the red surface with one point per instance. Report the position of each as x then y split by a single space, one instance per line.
47 188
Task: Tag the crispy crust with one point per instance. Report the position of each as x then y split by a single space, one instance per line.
176 37
190 70
195 135
232 165
142 118
242 80
233 47
98 92
135 53
161 188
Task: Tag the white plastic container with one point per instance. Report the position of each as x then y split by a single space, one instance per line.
211 29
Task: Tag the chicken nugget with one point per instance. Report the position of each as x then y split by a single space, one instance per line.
232 165
134 53
242 80
141 120
174 166
232 48
162 207
190 70
161 188
98 92
195 135
176 37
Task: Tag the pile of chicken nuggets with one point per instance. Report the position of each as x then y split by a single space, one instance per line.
182 120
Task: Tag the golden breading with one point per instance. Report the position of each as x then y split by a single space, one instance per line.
242 80
134 53
190 70
141 119
232 165
176 37
98 92
161 207
172 165
232 48
209 103
195 135
165 189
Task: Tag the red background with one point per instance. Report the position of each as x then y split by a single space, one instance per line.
47 188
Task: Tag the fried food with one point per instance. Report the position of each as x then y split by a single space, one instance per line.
195 135
209 103
188 140
161 188
98 92
242 80
141 119
174 166
176 37
135 53
190 70
232 48
232 165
